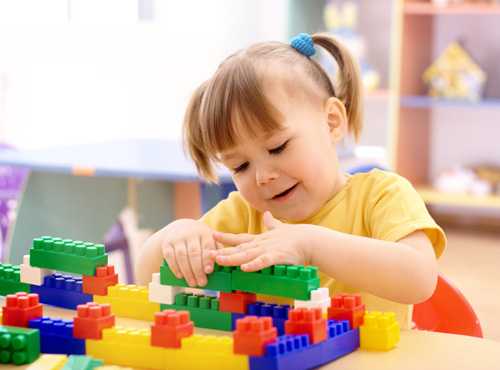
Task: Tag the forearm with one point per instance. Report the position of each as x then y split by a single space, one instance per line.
390 270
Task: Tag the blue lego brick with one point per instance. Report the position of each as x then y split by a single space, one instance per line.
279 313
294 352
56 336
62 291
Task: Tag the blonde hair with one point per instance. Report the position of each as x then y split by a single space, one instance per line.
232 103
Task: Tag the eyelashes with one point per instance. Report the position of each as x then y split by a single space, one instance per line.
275 151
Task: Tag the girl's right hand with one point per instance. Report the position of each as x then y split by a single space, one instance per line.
186 246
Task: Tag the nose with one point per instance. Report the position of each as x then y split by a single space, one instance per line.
265 174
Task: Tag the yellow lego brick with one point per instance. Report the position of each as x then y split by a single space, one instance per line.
210 352
380 331
112 367
127 347
49 362
131 301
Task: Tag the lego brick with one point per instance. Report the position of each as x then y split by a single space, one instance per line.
320 298
82 363
67 255
105 277
347 307
236 302
162 293
380 331
252 334
203 310
294 352
49 362
219 279
129 301
170 327
56 336
295 282
18 346
20 308
32 275
10 280
209 352
129 347
307 321
91 319
62 291
278 313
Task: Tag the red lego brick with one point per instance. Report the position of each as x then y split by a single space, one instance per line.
91 319
252 334
20 308
347 307
170 327
236 302
307 321
105 277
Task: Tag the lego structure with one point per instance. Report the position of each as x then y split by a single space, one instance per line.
315 330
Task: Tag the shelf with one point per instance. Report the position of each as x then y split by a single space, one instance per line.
465 9
434 197
377 94
428 102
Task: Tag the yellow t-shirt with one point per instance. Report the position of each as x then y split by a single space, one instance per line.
377 204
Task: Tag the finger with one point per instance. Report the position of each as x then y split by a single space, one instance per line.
232 250
232 239
239 258
195 260
169 256
181 255
208 246
260 262
269 221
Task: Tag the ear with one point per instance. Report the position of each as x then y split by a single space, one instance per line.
336 119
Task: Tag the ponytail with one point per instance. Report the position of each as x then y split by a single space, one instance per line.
348 85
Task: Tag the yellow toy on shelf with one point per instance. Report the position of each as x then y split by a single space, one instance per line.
454 75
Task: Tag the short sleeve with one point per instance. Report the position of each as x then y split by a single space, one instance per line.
230 215
396 210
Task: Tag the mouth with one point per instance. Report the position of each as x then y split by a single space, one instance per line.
285 193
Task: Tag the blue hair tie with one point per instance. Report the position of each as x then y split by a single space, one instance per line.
303 43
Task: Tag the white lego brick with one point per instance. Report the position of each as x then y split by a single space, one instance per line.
162 293
320 298
32 275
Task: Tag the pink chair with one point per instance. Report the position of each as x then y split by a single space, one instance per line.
447 311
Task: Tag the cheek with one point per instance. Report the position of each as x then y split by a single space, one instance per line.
247 188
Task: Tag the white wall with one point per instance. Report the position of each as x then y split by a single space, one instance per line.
80 71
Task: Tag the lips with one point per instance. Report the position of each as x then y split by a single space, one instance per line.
286 192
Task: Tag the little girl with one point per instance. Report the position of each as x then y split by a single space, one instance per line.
273 117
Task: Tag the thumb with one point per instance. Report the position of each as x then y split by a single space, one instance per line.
270 222
232 239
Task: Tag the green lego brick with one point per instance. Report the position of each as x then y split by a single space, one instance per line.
79 362
219 280
203 310
19 345
67 255
295 282
10 280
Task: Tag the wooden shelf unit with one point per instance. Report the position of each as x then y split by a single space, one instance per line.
414 31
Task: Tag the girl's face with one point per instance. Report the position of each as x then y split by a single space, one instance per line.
291 172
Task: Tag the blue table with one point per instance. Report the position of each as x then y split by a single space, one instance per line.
78 191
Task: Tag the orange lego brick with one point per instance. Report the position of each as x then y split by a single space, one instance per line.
307 321
170 327
91 319
105 277
347 307
252 334
20 308
236 302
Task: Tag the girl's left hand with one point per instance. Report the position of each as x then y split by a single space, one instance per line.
281 244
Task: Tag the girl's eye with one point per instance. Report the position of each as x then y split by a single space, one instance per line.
241 167
279 149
